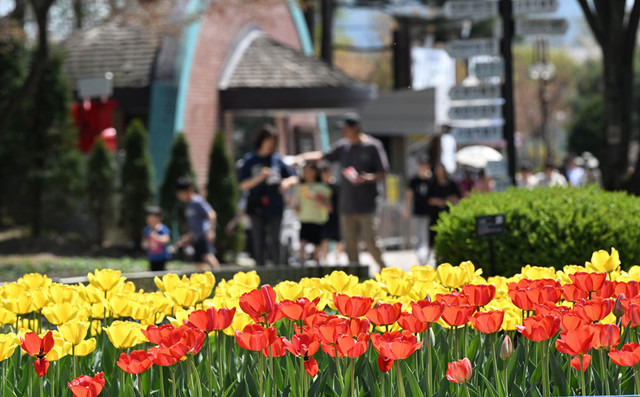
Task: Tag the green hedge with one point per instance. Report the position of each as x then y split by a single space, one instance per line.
544 227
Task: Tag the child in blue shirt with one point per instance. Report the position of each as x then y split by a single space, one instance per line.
155 239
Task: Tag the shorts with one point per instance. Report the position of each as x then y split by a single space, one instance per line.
157 265
331 230
202 248
311 233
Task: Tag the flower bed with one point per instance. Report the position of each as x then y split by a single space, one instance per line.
427 332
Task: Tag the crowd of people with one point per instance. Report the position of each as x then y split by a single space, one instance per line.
333 212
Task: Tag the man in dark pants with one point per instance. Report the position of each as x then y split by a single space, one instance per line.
364 163
201 219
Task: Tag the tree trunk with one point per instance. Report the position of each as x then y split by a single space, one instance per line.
310 17
78 14
326 44
618 91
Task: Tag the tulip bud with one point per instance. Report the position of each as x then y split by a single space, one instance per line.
618 309
428 298
506 348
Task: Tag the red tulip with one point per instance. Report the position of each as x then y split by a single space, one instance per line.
395 345
479 294
86 386
352 306
135 362
255 337
627 356
358 326
521 299
212 319
298 310
350 347
457 316
330 330
260 304
384 313
588 282
192 340
427 312
595 309
385 363
165 334
36 346
276 348
166 355
550 293
41 366
488 322
630 289
571 320
584 360
318 318
572 293
606 291
459 371
634 314
311 366
453 298
607 335
577 342
303 345
539 327
552 309
411 323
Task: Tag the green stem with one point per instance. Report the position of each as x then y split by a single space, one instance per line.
353 377
399 379
635 374
173 381
140 386
466 389
429 373
273 372
41 381
582 381
455 335
73 356
161 382
210 363
545 369
220 362
261 373
605 375
505 383
494 338
197 375
340 378
301 376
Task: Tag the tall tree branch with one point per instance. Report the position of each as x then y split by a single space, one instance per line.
632 29
38 64
593 22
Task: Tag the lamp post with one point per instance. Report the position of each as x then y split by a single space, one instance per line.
543 72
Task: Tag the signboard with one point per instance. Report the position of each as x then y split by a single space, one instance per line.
472 48
534 6
502 184
474 112
490 225
96 87
472 92
477 134
536 27
496 168
487 70
471 9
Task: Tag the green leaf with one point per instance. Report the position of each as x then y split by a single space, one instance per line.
411 380
489 386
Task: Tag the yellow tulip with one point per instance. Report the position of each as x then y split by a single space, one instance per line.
34 281
204 282
339 281
125 334
105 279
6 316
249 280
59 293
455 276
168 282
61 347
158 301
142 312
288 290
121 305
40 298
74 332
180 316
422 273
368 288
90 293
20 304
96 327
60 313
388 272
537 272
240 320
85 347
397 286
602 261
8 344
311 282
184 296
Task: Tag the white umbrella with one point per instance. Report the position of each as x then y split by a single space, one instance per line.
477 156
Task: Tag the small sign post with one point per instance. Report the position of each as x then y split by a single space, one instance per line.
490 226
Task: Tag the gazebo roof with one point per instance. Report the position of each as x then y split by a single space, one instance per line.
265 75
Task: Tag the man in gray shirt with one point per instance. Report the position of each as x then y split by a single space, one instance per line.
364 163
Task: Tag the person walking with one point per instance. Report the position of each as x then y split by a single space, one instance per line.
417 194
442 191
155 239
332 231
266 177
364 164
201 219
